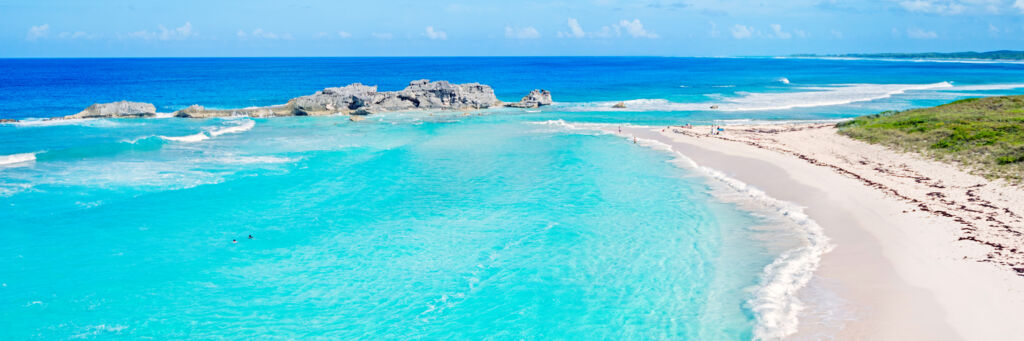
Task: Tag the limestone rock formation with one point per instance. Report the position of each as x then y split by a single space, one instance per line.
353 99
535 98
116 110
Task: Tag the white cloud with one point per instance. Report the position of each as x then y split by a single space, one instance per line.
608 32
433 34
742 32
325 35
1019 4
779 33
714 29
37 32
636 29
259 33
180 33
993 29
836 34
521 32
75 35
632 28
575 30
382 36
933 6
917 33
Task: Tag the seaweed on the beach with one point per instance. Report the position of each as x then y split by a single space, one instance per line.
986 135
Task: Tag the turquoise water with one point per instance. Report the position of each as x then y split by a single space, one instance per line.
472 228
406 225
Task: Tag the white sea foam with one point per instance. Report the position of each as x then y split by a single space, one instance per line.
839 94
188 138
784 80
9 189
16 159
917 60
985 87
264 159
233 128
86 122
775 303
245 125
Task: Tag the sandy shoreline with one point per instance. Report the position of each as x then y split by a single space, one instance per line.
922 250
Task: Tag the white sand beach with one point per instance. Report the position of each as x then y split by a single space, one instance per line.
923 250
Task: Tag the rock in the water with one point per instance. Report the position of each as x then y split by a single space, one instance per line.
535 99
116 110
358 99
620 105
198 111
191 110
353 99
8 120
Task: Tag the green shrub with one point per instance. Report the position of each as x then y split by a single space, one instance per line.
985 134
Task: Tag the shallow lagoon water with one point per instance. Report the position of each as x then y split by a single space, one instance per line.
405 225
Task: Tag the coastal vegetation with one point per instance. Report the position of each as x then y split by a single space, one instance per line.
984 134
990 55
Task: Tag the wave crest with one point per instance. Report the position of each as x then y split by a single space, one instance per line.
244 126
839 94
14 159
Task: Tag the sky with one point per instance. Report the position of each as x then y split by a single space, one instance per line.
252 28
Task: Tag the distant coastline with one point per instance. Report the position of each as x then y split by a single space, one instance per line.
969 55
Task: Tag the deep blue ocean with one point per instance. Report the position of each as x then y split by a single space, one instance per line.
492 224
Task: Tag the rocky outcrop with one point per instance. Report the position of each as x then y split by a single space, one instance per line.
353 99
535 99
198 111
8 120
116 110
359 99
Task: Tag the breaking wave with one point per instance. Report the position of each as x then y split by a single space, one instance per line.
761 101
986 87
14 159
187 138
244 126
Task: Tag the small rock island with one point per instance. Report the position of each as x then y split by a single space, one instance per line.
352 99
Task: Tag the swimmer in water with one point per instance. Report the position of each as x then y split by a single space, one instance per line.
634 139
250 236
234 241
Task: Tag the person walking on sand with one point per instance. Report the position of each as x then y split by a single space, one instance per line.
634 139
620 129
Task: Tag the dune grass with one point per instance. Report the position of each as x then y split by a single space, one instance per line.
984 134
